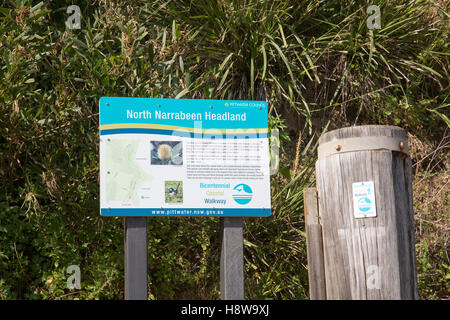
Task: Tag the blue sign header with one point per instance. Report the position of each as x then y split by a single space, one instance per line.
116 112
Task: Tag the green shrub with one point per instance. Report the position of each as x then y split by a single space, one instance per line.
313 61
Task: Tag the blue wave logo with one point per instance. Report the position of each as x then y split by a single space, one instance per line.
364 204
242 193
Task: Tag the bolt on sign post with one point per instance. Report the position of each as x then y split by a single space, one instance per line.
184 157
365 211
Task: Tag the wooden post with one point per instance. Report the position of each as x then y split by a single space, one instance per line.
232 259
136 258
314 246
367 257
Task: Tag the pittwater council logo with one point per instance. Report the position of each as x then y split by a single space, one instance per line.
242 193
364 204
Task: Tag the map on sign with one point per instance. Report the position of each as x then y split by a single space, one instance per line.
125 177
183 157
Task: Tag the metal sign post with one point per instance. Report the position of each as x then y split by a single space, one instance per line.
232 259
136 258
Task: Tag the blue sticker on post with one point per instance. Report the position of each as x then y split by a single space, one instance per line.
184 157
364 199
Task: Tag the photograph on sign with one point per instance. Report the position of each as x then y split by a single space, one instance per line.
174 191
184 157
166 152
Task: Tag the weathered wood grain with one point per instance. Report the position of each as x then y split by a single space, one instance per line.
314 246
367 258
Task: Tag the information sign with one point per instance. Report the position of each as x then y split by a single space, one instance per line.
184 157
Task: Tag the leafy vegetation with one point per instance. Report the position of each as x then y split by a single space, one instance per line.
315 62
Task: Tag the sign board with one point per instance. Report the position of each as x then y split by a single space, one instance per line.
184 157
364 199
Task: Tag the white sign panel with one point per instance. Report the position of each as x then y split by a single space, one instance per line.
364 199
184 157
